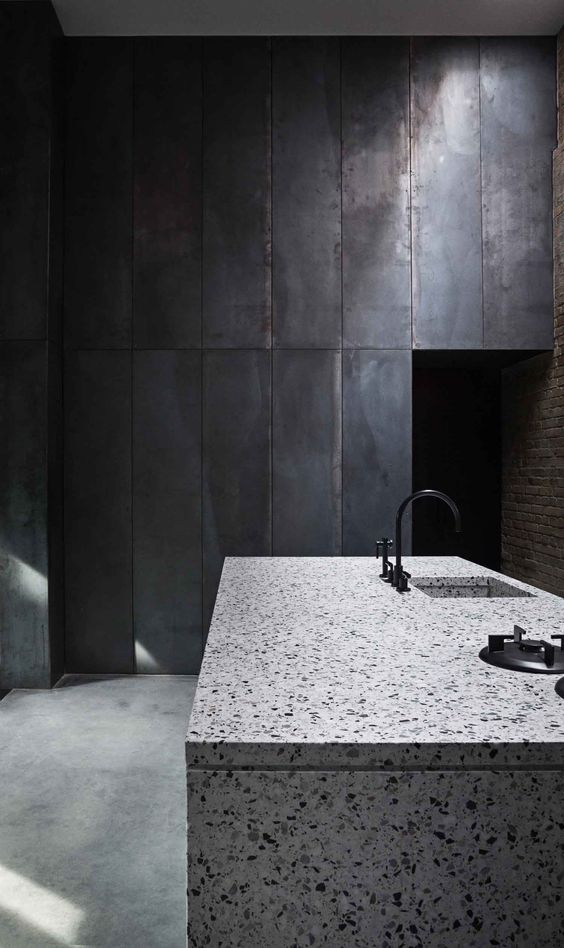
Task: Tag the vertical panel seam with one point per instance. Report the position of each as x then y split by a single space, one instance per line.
48 631
410 222
410 178
63 362
341 465
131 358
202 359
271 198
481 192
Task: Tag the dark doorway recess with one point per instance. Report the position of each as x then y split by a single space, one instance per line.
457 449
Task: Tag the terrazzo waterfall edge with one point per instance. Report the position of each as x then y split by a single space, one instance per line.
339 795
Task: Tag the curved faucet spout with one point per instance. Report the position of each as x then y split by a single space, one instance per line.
401 509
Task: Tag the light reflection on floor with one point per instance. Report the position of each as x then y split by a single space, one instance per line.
38 907
92 814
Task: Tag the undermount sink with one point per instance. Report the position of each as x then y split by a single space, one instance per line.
470 587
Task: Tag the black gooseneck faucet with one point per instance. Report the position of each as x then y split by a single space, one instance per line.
400 577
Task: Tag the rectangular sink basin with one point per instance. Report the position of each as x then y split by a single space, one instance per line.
469 587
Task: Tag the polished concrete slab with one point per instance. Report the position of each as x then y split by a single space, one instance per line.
93 812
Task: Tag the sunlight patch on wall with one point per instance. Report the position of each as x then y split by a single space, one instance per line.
29 581
144 661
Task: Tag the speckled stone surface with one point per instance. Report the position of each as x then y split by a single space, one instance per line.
366 860
317 662
346 789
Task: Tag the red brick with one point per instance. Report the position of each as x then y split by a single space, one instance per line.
532 515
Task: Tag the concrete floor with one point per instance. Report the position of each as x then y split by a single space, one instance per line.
93 814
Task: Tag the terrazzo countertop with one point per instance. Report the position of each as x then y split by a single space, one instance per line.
316 663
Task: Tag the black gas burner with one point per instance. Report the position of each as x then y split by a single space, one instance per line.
522 654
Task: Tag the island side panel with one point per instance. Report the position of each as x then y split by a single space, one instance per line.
455 858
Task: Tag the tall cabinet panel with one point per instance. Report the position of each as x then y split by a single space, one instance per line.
31 246
24 631
98 194
376 246
236 250
306 159
446 197
98 568
237 456
167 192
518 135
376 445
30 60
306 486
167 535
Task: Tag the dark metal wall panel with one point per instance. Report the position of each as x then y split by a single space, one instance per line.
236 445
24 632
24 89
306 211
258 494
307 452
446 205
236 250
24 199
25 121
167 541
31 574
98 196
376 445
376 228
99 636
167 192
518 134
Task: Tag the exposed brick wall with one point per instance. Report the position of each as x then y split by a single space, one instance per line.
532 526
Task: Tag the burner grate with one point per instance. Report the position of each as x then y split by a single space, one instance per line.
519 653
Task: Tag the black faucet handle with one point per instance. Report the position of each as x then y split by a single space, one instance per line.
383 545
559 636
402 585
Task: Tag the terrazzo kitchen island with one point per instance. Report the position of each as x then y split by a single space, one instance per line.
357 776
